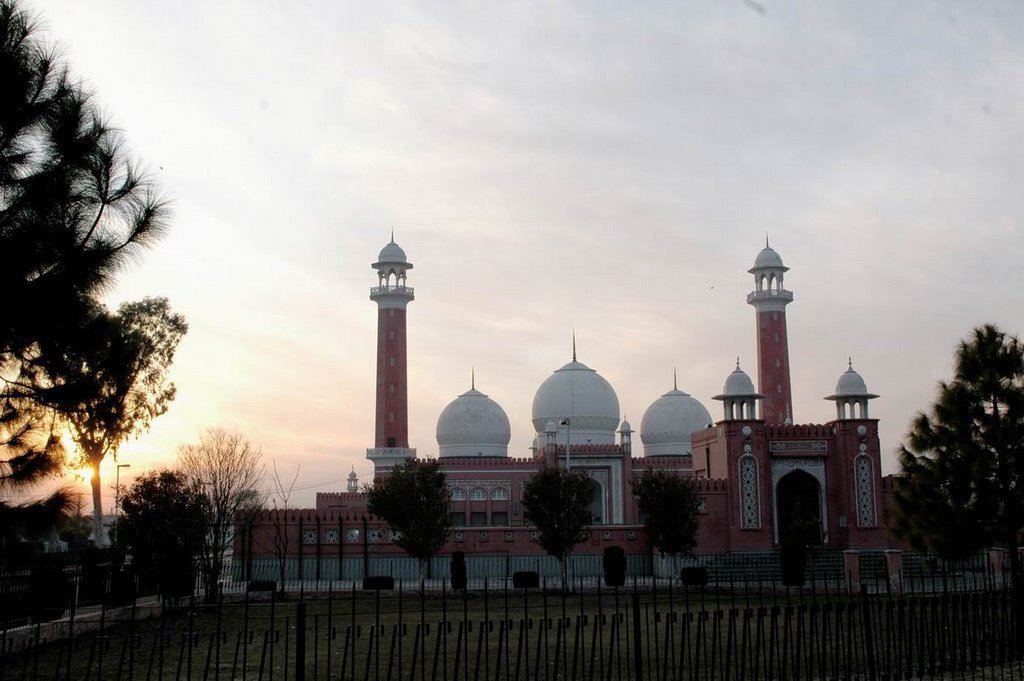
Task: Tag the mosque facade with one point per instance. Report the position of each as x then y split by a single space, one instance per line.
756 471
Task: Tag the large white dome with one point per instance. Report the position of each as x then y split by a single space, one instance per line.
579 394
473 425
670 421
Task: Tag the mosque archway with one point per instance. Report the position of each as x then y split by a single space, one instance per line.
798 509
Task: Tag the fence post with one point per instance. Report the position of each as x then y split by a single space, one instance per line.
894 570
300 641
851 566
638 652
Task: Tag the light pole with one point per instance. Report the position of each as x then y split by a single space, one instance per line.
117 496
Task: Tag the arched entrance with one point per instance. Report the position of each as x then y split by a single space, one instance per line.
597 506
798 509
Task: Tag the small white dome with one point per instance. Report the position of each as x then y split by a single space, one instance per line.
578 393
768 258
473 425
738 384
392 253
625 427
851 384
670 421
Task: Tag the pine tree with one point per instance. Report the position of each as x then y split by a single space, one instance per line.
963 463
73 210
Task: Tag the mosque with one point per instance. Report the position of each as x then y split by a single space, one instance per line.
756 471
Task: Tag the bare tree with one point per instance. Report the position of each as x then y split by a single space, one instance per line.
280 495
227 468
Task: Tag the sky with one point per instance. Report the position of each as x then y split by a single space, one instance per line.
605 168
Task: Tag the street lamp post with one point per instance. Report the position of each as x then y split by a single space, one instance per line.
117 497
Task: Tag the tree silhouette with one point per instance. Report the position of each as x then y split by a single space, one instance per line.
73 210
413 500
118 381
165 521
668 505
557 500
963 463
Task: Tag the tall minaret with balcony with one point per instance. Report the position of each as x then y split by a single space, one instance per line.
770 299
391 445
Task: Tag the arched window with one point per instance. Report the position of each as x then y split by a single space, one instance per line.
499 494
458 494
477 494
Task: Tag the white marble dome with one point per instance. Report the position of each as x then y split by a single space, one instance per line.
473 425
669 422
768 257
392 253
577 393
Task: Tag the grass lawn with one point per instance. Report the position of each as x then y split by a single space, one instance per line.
538 635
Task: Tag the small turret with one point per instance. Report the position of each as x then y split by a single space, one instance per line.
851 396
739 397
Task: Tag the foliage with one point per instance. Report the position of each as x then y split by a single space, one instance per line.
668 505
163 526
120 376
413 500
226 467
73 210
75 530
963 463
557 500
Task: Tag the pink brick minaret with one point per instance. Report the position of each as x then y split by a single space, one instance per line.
391 441
769 299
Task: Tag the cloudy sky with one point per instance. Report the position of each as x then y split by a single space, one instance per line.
605 167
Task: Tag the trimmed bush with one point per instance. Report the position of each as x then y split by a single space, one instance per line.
694 576
379 583
525 580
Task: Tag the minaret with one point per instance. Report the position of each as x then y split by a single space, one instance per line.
770 299
391 442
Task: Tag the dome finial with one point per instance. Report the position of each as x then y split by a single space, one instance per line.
472 378
574 345
675 379
392 235
737 363
849 363
766 239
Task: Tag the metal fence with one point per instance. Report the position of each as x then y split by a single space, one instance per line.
647 630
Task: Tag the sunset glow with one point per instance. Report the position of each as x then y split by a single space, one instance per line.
583 168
